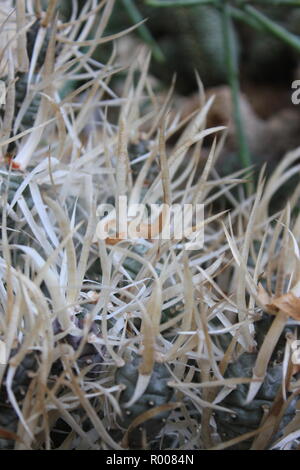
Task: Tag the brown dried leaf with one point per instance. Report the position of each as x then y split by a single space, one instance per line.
262 295
8 435
289 304
267 301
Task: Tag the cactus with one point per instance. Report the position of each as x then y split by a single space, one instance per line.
246 417
20 384
21 92
85 321
156 394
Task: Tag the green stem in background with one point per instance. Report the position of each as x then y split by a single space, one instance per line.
233 80
273 28
274 3
135 16
240 15
239 3
178 3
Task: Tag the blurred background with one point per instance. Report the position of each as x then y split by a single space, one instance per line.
264 51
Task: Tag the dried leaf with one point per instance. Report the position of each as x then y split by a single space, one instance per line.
289 304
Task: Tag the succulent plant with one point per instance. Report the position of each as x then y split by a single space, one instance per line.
246 417
31 38
157 393
8 422
33 106
89 359
21 380
75 309
12 182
